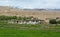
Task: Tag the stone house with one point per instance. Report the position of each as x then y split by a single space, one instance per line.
27 21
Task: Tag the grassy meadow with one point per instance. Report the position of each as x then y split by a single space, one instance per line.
22 30
27 33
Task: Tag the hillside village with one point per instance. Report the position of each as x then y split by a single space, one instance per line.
37 16
27 20
31 20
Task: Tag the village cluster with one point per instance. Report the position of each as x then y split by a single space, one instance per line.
34 21
28 21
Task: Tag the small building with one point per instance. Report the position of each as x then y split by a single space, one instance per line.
26 21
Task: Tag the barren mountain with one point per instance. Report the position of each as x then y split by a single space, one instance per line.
9 11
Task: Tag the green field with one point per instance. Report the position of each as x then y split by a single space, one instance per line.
17 30
28 33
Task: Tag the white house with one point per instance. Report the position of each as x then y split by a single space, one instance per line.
27 21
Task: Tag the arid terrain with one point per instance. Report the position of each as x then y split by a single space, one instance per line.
9 11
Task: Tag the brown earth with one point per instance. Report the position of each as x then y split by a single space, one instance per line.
9 11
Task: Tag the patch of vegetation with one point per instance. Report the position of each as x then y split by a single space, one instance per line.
27 33
53 21
58 21
7 17
14 17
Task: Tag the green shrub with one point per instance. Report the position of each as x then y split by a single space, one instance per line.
7 17
58 21
53 21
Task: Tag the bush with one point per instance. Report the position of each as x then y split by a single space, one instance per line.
53 21
58 21
7 17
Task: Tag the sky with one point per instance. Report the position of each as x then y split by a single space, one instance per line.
50 4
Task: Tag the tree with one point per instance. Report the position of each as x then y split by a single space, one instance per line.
58 21
53 21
